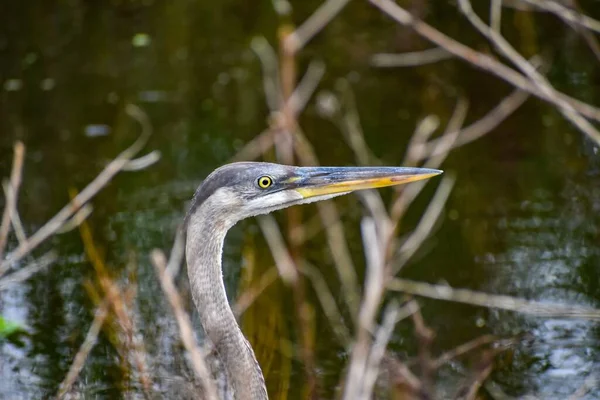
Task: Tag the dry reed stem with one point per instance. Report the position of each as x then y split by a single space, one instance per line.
10 207
56 222
483 61
185 325
84 350
442 292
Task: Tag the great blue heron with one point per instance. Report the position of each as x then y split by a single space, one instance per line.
241 190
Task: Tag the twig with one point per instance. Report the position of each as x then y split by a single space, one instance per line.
496 15
425 337
479 128
463 349
185 325
317 21
442 292
268 61
391 316
373 236
565 13
410 59
530 71
327 301
306 87
487 365
77 219
28 271
14 216
56 222
11 197
481 60
84 350
425 226
143 162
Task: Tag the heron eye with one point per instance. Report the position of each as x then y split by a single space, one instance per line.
265 181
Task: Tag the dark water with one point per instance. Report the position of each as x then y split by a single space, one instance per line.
522 220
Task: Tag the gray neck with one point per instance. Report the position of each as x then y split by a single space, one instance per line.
204 247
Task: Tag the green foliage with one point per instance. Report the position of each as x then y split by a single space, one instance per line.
8 328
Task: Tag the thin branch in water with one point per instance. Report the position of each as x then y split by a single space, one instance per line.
11 197
143 162
28 271
425 226
313 25
84 350
474 298
14 216
463 349
271 79
496 15
307 86
542 84
566 13
391 316
327 301
77 219
185 325
410 59
481 127
481 60
484 369
56 222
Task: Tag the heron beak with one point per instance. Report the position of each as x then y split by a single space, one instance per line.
323 181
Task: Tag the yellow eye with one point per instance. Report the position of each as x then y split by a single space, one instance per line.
265 181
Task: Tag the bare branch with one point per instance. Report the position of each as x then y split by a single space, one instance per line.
481 60
11 196
84 350
565 13
442 292
411 59
28 271
313 25
56 222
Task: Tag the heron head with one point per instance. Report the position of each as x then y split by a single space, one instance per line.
240 190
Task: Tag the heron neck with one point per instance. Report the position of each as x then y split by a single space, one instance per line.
204 248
